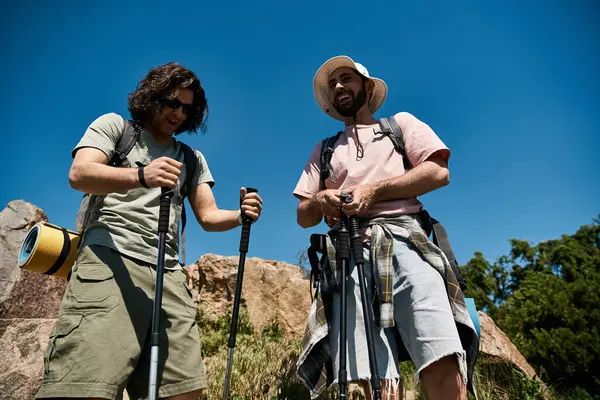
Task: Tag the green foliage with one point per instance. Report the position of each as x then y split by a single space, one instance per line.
263 368
214 332
546 298
264 363
273 330
503 381
576 394
481 282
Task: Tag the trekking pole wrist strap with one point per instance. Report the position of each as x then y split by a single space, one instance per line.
141 177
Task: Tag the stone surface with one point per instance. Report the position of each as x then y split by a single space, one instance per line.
271 290
497 347
24 294
23 342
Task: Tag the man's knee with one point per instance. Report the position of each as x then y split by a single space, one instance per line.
446 368
442 380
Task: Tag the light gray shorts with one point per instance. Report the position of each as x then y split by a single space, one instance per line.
422 314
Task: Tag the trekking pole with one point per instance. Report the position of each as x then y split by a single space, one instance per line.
357 249
343 253
244 240
163 228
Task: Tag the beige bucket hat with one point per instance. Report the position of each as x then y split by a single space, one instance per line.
321 81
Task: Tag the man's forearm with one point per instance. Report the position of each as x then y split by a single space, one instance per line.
422 179
309 213
97 178
220 220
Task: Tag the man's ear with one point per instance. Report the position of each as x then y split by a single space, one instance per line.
369 87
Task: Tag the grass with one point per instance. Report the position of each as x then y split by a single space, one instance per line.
264 362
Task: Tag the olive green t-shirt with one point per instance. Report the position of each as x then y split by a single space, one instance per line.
128 222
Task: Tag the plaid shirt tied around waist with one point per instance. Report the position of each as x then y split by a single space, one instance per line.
314 364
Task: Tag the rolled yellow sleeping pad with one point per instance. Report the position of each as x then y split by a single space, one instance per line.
49 249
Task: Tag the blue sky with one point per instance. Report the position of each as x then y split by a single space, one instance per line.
511 87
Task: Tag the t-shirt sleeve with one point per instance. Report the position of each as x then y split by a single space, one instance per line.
309 183
202 174
419 139
102 134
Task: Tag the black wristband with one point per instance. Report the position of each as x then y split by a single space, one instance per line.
141 177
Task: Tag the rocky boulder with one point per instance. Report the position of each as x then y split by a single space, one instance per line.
23 342
271 290
496 348
24 294
29 302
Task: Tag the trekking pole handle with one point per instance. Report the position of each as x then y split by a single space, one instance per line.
346 197
343 250
245 238
354 228
164 209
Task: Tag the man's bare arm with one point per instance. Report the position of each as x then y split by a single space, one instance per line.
89 173
425 177
213 219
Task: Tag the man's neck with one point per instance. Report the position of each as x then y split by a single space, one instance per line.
158 138
363 117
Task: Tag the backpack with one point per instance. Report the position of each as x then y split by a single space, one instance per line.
431 226
128 139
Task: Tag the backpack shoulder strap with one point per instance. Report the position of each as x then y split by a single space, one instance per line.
191 165
326 171
440 238
390 128
128 139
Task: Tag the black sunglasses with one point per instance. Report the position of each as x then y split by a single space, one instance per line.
188 109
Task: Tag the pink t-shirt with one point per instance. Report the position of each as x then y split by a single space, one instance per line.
380 161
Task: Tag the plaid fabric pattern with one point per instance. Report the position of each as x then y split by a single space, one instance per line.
382 251
315 364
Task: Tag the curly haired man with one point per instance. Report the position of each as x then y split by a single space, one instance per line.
99 345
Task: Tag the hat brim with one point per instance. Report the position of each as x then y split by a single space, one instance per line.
321 82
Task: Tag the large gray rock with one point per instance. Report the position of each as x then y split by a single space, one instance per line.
22 346
24 294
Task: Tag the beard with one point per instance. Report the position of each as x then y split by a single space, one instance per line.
350 108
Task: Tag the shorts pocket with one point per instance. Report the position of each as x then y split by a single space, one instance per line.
91 287
62 347
93 283
187 295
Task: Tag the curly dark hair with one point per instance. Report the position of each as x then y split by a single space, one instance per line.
163 82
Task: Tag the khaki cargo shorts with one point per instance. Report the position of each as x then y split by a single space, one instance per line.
100 343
